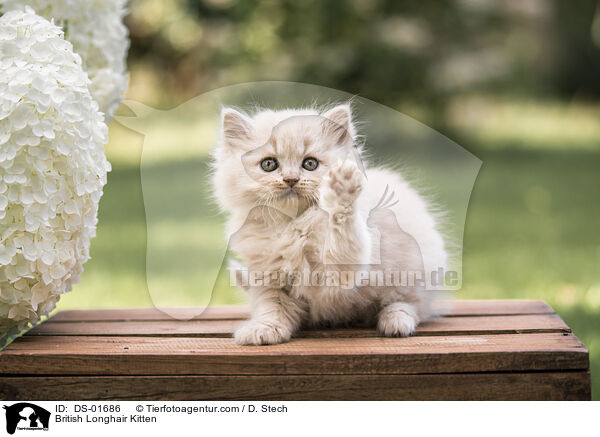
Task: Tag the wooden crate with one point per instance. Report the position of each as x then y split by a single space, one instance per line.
480 350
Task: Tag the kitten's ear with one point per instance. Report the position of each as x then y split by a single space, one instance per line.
236 128
339 124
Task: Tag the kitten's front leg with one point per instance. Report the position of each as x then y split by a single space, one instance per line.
347 240
275 317
398 319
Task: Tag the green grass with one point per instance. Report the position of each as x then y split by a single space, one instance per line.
531 231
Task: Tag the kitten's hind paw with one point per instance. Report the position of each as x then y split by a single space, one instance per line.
261 333
397 320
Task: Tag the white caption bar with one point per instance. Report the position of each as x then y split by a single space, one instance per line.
23 418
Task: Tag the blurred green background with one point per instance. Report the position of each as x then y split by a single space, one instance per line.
515 82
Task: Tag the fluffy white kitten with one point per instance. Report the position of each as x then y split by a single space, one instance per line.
297 200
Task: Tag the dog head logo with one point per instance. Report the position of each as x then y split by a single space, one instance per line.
26 416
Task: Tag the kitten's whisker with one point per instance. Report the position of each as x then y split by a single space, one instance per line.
271 208
266 208
315 197
263 202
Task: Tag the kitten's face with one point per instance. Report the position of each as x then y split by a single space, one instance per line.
293 161
284 155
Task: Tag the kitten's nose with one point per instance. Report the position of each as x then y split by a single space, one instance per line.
291 181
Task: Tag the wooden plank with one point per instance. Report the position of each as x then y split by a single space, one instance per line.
447 308
557 386
475 325
493 307
152 314
66 355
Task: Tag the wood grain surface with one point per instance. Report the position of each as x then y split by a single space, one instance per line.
476 350
551 386
444 308
73 355
224 327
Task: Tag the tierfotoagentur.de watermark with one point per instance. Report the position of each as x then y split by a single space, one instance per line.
346 279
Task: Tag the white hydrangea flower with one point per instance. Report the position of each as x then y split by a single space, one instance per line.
96 30
52 168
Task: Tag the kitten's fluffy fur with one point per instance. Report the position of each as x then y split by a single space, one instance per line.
330 220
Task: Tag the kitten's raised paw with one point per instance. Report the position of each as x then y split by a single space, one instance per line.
261 333
345 180
397 320
341 188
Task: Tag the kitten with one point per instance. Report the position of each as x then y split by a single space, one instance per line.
298 201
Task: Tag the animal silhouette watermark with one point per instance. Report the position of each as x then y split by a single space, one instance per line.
26 416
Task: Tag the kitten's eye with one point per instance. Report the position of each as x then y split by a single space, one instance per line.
269 164
310 164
